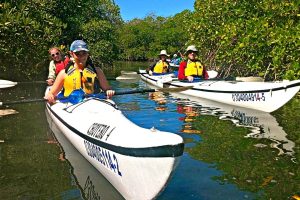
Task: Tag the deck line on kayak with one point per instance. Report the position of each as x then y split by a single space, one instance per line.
248 91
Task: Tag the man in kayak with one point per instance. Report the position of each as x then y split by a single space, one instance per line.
58 63
192 68
79 74
162 66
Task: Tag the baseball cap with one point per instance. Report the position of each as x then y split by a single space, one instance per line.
78 45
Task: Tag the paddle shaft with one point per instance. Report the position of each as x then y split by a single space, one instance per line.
21 101
102 95
134 91
177 89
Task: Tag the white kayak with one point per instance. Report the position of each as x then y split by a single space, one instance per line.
138 162
264 96
6 83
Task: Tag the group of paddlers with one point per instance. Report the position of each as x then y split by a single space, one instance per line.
188 69
77 71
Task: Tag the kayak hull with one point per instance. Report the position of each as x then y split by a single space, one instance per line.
6 84
263 96
138 162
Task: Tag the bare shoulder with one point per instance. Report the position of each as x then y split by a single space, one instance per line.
98 69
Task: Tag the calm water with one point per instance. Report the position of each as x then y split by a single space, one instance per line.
230 152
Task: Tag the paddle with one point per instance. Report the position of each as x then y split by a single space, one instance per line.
78 95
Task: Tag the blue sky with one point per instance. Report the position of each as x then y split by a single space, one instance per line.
140 8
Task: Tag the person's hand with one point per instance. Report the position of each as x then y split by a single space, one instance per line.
150 73
110 93
50 81
190 78
50 98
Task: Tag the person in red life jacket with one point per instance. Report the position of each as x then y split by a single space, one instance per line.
161 66
192 68
58 63
79 74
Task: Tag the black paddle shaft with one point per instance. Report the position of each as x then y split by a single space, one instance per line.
135 91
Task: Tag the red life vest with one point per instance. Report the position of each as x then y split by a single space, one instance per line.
61 65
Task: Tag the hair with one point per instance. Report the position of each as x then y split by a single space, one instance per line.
58 49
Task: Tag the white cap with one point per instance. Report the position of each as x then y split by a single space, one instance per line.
163 52
175 55
191 48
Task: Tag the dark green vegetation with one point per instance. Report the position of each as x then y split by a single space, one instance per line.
142 39
239 38
29 28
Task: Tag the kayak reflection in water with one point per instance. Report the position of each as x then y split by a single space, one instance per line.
80 73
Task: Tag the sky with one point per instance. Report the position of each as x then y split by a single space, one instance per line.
131 9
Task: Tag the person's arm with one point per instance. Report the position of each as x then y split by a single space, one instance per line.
168 67
181 75
67 60
56 88
151 68
205 74
51 74
104 83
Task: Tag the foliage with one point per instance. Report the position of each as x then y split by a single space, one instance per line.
30 28
142 39
249 37
242 38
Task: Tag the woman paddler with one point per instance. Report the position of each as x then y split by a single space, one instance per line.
80 73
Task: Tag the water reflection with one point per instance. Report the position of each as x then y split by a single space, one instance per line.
92 184
160 100
255 154
4 112
262 125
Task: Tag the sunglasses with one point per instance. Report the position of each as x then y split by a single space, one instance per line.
81 53
56 54
189 52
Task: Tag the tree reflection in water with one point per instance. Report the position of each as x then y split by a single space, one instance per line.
252 164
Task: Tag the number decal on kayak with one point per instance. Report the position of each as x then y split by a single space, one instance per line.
117 167
248 97
103 156
99 130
